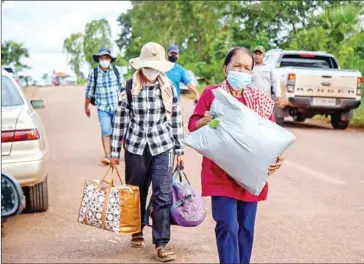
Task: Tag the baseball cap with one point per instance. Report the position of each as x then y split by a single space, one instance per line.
173 48
259 48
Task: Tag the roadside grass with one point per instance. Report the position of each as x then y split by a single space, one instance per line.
358 120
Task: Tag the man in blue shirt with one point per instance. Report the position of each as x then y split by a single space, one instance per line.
178 74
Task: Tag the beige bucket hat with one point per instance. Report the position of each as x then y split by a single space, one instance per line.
152 56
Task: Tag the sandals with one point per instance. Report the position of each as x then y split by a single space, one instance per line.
137 241
165 254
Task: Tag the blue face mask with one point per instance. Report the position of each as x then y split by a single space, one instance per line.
238 80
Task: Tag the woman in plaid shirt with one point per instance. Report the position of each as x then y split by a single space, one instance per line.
151 125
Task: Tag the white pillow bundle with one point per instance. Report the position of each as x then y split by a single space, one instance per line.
240 142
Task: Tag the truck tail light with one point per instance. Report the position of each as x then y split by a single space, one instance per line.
359 87
307 55
19 135
291 82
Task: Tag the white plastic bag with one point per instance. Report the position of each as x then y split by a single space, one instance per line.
243 143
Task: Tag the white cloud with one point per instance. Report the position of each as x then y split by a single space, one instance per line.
43 26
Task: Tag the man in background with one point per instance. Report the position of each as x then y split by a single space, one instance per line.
104 84
178 74
263 76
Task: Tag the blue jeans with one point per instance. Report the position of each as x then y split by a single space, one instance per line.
106 120
142 170
235 221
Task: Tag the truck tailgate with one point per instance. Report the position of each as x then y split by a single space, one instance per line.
326 83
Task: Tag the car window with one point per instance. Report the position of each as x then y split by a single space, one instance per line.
308 61
305 63
9 93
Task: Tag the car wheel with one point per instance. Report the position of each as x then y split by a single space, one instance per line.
299 118
36 197
337 123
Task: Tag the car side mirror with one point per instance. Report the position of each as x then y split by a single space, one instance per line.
38 104
12 197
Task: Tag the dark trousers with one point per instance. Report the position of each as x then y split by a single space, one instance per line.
235 221
142 170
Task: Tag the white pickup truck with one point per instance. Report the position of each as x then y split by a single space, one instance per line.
312 83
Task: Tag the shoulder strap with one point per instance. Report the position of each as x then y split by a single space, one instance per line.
95 80
116 73
129 86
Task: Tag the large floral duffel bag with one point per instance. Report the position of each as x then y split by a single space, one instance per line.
110 207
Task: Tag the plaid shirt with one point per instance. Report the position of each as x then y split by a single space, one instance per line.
107 89
146 123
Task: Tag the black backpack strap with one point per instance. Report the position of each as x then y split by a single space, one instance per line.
117 74
129 86
95 81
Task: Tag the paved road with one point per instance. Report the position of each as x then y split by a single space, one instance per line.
314 213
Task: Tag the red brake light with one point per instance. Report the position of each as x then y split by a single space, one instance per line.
7 136
307 55
19 135
359 87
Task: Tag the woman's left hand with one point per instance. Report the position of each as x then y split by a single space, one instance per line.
272 169
180 160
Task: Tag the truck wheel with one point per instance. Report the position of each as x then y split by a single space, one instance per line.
299 118
36 197
337 123
279 121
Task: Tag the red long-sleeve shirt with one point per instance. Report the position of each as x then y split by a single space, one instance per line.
215 181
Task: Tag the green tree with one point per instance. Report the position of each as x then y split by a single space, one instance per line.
341 24
120 60
194 26
335 31
97 35
28 80
12 53
45 76
205 31
73 45
358 58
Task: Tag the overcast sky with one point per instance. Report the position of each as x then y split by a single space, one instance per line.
43 26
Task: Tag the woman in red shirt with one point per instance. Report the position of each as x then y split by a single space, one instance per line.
233 208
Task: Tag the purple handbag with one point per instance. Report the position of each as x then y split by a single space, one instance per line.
188 207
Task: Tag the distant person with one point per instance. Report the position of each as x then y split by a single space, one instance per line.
179 74
102 90
263 76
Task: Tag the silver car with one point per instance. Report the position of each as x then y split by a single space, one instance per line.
24 144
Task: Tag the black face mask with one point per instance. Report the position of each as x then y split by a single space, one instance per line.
172 58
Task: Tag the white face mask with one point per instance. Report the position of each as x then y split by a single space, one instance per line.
150 74
238 80
104 63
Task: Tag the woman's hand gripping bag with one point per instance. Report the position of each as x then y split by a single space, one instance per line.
188 207
240 141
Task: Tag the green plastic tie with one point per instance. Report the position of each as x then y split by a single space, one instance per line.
214 123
